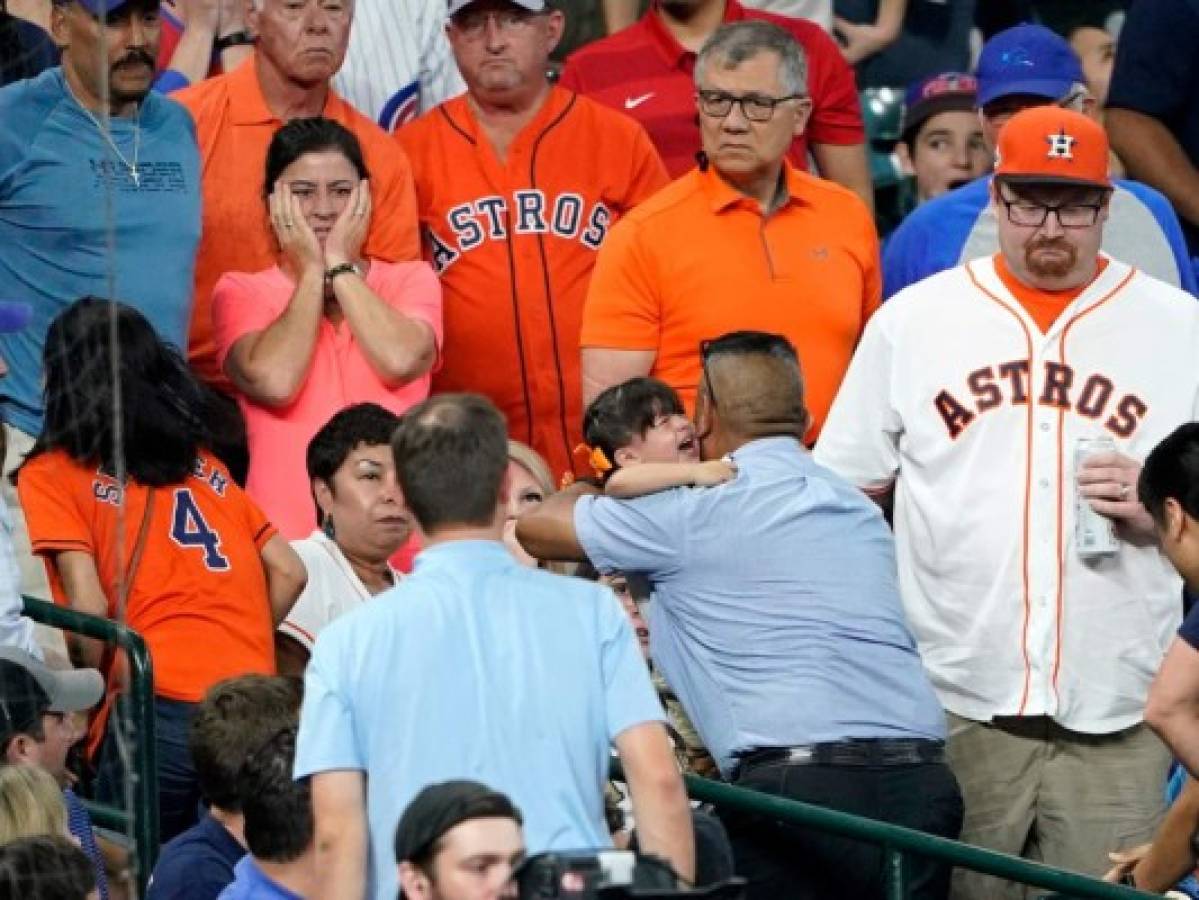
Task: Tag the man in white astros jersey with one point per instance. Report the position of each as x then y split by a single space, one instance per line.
973 400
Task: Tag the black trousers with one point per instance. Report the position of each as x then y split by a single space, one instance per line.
788 862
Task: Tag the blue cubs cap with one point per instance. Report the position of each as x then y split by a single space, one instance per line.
1027 59
14 315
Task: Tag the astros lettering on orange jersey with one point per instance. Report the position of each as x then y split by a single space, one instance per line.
527 212
1062 387
514 241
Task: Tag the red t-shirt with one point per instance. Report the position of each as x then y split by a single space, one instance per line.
645 72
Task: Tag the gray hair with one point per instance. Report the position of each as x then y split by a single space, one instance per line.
735 43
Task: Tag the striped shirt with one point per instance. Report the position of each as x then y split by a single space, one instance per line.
79 823
399 63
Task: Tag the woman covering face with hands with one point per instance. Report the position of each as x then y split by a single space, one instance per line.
325 327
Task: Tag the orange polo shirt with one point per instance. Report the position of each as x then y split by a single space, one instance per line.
234 127
699 259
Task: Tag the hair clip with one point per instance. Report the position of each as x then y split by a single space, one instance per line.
595 458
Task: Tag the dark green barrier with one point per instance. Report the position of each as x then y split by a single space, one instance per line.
898 842
142 825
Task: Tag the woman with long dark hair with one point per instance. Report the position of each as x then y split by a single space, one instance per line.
324 328
139 522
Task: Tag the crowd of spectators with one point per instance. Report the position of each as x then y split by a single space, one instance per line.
456 397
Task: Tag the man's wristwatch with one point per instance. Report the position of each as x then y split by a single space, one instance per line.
342 269
236 39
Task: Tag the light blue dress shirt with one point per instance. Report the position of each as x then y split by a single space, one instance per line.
251 883
477 667
776 614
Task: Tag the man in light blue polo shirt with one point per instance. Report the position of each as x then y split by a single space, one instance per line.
777 619
477 667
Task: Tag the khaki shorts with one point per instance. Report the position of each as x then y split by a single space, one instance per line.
1035 789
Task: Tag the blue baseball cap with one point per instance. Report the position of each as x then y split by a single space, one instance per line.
945 92
14 315
106 7
1027 59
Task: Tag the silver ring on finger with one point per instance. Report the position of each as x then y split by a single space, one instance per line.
1125 490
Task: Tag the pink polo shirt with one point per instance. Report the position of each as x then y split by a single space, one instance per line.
339 375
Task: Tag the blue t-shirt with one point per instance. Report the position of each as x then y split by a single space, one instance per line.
776 615
477 667
959 226
73 221
196 864
250 883
1157 73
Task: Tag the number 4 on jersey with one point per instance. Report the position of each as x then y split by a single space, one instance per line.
188 529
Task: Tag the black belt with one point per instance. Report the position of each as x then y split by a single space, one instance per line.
866 752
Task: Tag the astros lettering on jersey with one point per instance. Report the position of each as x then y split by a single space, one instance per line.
514 242
958 398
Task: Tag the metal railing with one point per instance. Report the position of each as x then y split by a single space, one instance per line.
141 823
899 842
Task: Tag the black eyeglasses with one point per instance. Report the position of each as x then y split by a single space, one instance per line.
755 107
1034 215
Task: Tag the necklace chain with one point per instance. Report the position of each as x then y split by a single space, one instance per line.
137 137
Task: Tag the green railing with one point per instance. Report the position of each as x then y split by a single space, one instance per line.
898 842
142 822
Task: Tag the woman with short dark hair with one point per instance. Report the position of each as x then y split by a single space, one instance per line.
361 524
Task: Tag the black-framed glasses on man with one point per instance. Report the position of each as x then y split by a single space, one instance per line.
1034 215
755 107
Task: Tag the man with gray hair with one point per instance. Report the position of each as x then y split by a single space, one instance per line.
744 241
798 669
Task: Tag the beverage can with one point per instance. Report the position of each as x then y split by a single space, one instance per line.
1094 533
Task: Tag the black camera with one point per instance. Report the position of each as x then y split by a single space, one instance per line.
604 874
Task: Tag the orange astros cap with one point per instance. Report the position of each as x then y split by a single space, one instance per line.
1048 144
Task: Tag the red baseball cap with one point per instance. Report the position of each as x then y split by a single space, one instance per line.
1051 145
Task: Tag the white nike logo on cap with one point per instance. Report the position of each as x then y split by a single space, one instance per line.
634 102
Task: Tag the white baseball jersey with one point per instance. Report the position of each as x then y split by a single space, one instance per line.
957 397
333 589
399 62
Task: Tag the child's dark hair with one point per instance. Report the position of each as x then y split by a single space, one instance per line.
627 410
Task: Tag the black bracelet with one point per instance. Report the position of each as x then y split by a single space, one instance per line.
236 39
342 269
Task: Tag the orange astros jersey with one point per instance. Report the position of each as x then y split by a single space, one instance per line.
514 242
199 595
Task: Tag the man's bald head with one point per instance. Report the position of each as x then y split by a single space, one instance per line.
753 388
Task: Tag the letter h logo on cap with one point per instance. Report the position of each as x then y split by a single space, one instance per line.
1061 145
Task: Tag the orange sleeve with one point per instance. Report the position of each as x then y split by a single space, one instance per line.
648 175
260 528
49 489
623 307
395 231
